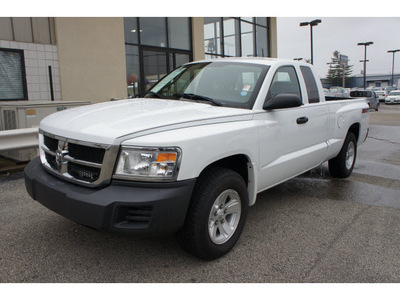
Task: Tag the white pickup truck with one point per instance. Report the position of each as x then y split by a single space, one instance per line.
192 155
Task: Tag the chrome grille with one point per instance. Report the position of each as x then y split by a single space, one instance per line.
85 163
50 143
86 153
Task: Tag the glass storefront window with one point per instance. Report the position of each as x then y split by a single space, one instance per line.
153 47
208 56
244 36
132 70
181 59
262 41
153 32
154 67
177 59
248 19
212 35
131 30
178 33
247 39
231 37
261 21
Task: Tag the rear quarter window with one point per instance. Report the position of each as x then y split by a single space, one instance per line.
311 85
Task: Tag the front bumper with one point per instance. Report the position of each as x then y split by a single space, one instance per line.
123 206
392 101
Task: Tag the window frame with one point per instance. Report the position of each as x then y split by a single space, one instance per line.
239 22
167 49
314 84
268 96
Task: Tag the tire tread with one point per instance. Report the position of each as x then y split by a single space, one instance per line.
188 235
337 165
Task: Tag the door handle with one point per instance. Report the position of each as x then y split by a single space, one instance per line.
302 120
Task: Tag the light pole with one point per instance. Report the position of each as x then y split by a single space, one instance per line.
393 51
365 57
364 61
312 24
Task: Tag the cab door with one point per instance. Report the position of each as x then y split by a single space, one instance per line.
287 145
318 117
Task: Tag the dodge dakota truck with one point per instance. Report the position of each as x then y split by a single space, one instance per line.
191 156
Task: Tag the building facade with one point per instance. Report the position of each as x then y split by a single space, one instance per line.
377 80
372 80
98 59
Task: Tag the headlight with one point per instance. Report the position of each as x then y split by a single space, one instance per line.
149 164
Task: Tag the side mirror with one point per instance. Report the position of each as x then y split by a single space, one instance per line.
283 101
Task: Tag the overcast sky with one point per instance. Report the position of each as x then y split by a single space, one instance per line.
342 34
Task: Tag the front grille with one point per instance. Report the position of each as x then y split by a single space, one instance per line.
84 173
77 161
86 153
51 160
51 144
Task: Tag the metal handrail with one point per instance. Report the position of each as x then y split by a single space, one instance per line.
16 139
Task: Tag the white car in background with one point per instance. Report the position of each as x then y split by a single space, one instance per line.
337 92
393 97
381 94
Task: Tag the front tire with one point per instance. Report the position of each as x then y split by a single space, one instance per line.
216 214
342 165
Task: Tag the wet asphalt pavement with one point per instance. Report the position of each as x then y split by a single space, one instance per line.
313 228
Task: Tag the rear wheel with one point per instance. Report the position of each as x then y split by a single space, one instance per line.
342 165
216 215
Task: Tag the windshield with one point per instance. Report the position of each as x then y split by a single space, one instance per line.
394 93
218 83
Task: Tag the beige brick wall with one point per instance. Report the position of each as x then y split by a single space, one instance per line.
91 53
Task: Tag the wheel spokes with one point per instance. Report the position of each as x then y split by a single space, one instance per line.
224 216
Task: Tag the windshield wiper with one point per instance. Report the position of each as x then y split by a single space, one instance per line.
198 97
153 94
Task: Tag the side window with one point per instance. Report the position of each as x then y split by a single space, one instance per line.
285 81
312 89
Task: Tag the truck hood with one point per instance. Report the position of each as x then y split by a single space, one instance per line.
113 122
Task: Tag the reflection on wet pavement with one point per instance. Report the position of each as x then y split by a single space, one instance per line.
360 188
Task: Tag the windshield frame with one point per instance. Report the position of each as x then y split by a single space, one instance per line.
247 105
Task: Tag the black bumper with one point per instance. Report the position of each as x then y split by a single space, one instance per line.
123 206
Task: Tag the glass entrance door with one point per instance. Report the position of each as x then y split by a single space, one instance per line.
158 62
154 66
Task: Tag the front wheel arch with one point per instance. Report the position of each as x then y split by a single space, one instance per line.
197 235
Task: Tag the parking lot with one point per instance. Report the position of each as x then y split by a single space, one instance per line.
313 228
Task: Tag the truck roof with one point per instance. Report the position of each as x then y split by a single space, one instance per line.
256 60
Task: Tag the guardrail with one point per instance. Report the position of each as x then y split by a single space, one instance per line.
17 139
